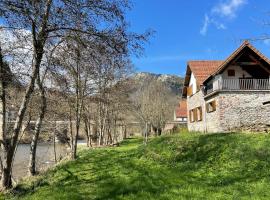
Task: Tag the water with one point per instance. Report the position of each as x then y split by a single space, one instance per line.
44 158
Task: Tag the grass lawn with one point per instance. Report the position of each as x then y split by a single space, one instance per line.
185 166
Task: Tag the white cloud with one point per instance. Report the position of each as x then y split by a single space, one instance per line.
229 8
219 13
208 21
219 25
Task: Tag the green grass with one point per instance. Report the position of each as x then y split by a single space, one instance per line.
185 166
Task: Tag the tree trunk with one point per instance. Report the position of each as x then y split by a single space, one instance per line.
8 151
54 146
78 107
100 137
71 132
78 121
33 147
89 142
87 131
6 181
74 152
6 158
109 138
125 132
115 139
159 130
146 134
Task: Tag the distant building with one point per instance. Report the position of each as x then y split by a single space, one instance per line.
229 95
180 113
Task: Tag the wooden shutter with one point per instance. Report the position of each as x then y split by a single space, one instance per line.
189 91
214 105
190 117
201 113
195 114
198 87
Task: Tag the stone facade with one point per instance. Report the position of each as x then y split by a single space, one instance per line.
213 118
244 110
210 121
194 101
235 111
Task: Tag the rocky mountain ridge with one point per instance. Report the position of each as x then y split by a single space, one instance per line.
174 82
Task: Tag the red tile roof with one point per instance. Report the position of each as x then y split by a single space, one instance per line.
181 110
203 68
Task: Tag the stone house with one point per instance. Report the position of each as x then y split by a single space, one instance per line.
229 95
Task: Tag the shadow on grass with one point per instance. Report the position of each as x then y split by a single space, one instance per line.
169 167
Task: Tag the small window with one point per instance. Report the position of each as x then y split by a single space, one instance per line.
231 72
195 115
211 106
199 114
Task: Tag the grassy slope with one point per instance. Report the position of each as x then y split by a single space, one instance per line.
188 166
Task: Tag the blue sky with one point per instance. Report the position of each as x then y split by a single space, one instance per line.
196 29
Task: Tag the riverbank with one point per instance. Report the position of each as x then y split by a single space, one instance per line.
186 166
46 154
45 157
46 138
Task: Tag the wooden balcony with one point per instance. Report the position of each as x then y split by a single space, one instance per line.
239 85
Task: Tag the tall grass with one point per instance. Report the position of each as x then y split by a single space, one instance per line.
184 166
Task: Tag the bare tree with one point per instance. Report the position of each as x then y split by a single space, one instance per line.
152 104
49 20
162 105
3 85
33 145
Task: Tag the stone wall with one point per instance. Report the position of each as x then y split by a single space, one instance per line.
212 118
235 111
243 110
195 101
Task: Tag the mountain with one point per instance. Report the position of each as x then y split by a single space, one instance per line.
174 83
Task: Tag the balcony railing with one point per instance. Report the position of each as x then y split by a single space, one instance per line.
239 84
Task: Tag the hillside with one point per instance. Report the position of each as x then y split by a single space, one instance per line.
185 166
174 83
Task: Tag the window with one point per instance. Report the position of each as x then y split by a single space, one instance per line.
231 72
195 115
199 113
211 106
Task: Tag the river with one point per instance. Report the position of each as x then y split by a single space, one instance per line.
45 157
